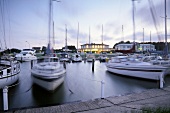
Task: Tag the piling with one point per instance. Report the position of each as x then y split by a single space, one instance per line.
161 80
102 89
31 64
64 64
21 59
5 97
93 65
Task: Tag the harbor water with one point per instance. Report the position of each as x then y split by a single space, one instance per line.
81 83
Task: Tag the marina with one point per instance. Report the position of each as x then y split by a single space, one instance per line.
80 84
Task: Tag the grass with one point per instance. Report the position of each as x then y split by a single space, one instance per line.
156 110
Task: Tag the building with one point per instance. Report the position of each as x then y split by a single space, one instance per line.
147 47
95 48
138 47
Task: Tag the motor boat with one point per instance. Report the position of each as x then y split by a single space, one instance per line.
48 73
26 55
128 66
103 57
76 58
9 71
65 57
156 60
90 58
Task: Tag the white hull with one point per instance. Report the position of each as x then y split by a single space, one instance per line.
25 59
145 72
48 75
9 72
48 85
6 81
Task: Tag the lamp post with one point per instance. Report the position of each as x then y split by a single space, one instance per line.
28 44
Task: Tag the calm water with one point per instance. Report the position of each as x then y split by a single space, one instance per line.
80 84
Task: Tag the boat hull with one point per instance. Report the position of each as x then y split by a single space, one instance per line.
48 84
8 80
26 59
48 78
145 72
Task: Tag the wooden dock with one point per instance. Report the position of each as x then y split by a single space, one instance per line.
136 102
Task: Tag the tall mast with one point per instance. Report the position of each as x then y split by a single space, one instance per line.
49 21
122 34
77 35
89 40
102 38
53 36
66 39
166 45
133 12
150 40
143 40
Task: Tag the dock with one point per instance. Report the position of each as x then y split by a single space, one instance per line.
136 102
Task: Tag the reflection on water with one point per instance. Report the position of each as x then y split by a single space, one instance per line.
80 84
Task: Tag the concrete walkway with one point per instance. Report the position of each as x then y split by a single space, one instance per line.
136 102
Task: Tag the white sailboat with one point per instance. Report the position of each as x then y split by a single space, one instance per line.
131 67
48 73
77 57
90 56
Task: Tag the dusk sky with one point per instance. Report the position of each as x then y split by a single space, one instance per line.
27 20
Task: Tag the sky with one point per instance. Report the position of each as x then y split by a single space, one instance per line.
24 23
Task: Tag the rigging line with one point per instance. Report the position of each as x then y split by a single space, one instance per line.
153 13
9 22
3 21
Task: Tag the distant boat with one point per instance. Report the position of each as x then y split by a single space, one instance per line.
26 55
90 57
48 73
103 57
9 71
76 58
65 57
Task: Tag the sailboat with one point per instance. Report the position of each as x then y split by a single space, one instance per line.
65 57
90 56
9 67
129 66
77 57
48 73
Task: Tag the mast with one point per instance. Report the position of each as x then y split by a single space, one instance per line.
66 40
133 12
150 40
122 34
49 22
77 36
89 40
143 41
53 36
102 38
166 45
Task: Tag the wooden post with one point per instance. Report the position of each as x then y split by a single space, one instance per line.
93 65
21 59
102 89
31 64
64 64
